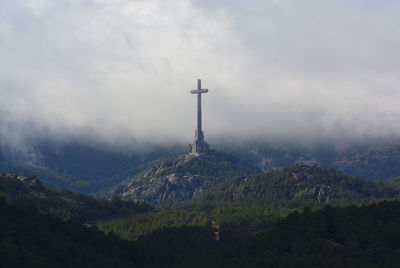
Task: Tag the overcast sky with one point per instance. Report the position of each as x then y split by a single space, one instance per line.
120 71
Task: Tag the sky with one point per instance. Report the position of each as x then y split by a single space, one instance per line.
120 71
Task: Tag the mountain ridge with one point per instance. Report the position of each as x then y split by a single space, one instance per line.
181 178
219 178
68 205
296 185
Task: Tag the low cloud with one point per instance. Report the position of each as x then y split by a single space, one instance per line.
119 72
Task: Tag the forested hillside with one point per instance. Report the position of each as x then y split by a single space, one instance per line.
203 234
217 179
296 185
366 236
352 236
29 191
80 167
30 239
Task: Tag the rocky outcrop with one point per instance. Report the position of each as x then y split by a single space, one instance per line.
164 189
180 178
31 186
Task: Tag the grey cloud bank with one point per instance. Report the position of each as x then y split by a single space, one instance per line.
120 71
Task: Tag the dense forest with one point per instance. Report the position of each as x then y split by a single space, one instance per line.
65 204
366 236
279 218
295 186
31 239
353 236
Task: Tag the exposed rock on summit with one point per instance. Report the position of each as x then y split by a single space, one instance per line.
181 178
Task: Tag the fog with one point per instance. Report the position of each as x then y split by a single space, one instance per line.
119 72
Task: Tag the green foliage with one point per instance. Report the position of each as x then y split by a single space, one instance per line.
366 236
132 227
233 220
248 236
30 239
56 178
351 236
248 221
393 182
63 203
168 247
295 186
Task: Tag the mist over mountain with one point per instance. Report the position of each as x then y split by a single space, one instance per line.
95 167
86 167
119 72
96 89
298 165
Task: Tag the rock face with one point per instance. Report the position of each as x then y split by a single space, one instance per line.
220 179
31 186
181 178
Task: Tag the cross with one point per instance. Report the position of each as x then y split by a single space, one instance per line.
199 91
199 143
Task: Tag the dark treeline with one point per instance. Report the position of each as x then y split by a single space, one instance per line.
31 239
366 236
352 236
260 221
65 204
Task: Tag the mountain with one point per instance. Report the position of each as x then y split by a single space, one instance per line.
250 235
239 205
370 160
29 191
365 236
81 167
296 185
218 178
94 167
182 178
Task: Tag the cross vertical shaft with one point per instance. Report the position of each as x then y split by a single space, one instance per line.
199 132
199 145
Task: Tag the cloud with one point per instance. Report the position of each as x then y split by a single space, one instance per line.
120 71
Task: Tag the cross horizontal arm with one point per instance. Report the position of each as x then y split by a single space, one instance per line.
196 91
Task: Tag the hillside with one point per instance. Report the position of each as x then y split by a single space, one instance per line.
296 185
394 182
93 168
366 236
219 179
234 236
376 160
351 236
29 191
30 239
80 167
181 178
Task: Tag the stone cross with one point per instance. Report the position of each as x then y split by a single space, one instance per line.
199 145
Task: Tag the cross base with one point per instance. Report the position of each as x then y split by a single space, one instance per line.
199 147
